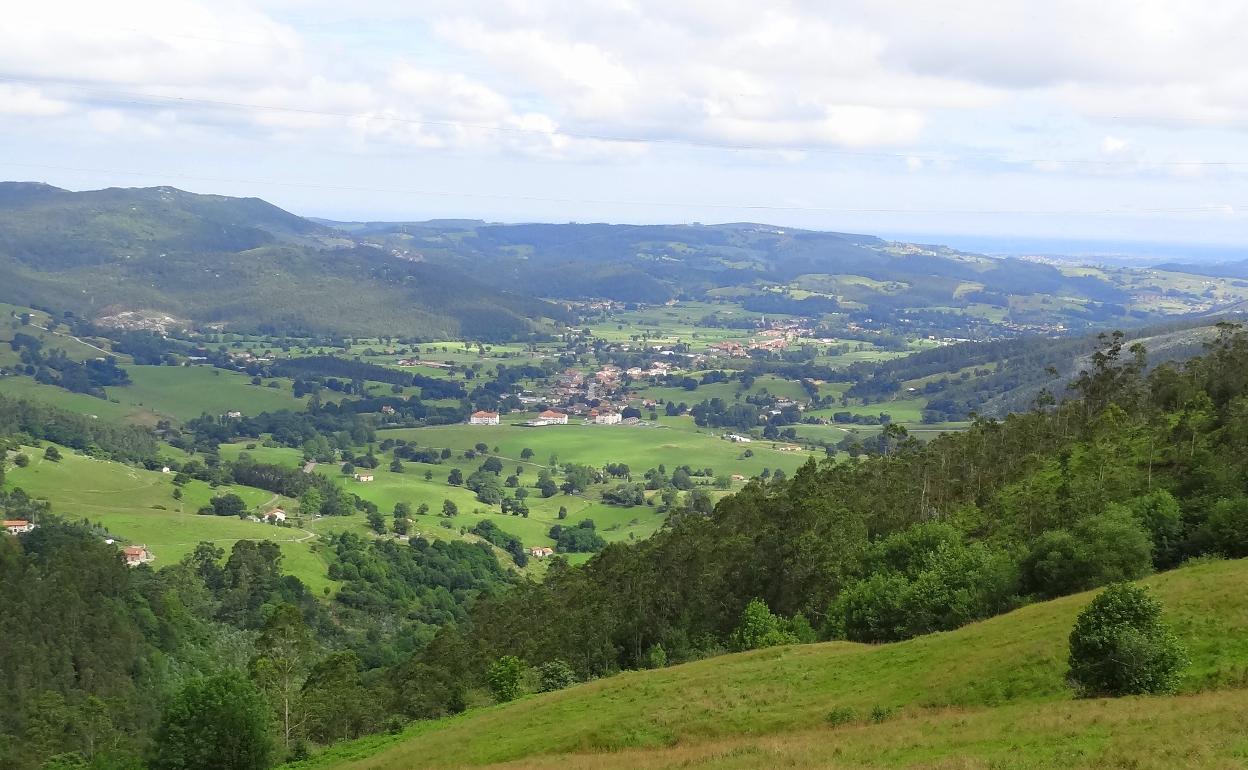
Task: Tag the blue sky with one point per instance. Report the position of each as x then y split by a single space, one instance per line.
999 122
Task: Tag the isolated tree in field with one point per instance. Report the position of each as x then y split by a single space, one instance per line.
1121 646
455 478
504 678
52 453
526 454
396 465
217 723
481 447
449 508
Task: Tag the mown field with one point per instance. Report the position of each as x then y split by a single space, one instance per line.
989 695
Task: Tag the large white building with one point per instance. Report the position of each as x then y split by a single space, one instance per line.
483 418
551 417
606 417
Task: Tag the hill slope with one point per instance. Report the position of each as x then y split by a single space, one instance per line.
241 262
988 694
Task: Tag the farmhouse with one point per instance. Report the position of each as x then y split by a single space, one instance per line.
551 417
17 526
387 409
275 516
136 555
483 418
541 552
737 438
363 477
233 414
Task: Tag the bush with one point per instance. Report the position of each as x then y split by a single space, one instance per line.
1102 549
504 678
51 453
1226 529
555 675
841 715
760 628
1120 646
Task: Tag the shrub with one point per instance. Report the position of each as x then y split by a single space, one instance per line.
841 715
504 678
881 713
1120 646
555 675
760 628
1098 550
52 453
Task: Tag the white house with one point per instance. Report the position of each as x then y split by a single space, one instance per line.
541 552
551 417
17 526
483 418
275 516
363 477
606 418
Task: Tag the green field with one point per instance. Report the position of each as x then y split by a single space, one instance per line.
672 442
991 695
124 499
186 392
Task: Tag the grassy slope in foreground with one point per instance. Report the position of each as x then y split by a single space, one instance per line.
728 711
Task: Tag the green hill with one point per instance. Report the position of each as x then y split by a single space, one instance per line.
991 694
240 262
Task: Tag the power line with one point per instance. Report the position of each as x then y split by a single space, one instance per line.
1209 209
160 100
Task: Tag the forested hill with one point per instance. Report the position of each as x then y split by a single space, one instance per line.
241 262
1138 473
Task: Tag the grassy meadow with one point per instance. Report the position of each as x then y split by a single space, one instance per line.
137 506
990 695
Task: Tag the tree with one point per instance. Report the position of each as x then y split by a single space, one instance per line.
229 505
456 477
280 663
396 465
526 454
1121 646
449 508
1098 550
504 678
52 454
376 522
760 628
337 702
21 461
555 675
310 502
214 723
492 465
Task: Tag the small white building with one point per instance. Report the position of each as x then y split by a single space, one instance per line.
18 526
363 477
483 418
275 516
541 552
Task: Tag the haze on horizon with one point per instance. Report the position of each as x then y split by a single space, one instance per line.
1119 121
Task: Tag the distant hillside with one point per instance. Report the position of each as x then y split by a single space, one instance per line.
241 262
977 694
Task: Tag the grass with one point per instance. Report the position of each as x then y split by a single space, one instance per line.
186 392
991 694
124 500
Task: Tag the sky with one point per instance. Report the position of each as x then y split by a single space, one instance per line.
1004 122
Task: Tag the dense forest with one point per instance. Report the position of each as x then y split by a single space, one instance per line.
1139 469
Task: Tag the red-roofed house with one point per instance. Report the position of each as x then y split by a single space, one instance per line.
551 417
17 526
483 418
136 555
